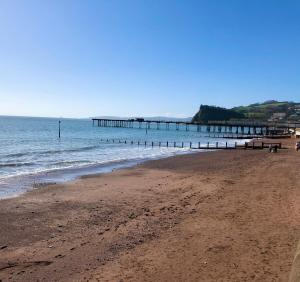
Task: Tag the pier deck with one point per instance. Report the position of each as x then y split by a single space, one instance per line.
222 128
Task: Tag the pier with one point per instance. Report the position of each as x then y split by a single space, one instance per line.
224 129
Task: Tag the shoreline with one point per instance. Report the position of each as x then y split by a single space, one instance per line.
14 186
227 215
32 181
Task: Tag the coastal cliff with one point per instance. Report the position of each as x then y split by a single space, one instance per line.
211 113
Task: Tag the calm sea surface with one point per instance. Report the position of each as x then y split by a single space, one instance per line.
31 152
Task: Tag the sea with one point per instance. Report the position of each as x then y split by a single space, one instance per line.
32 154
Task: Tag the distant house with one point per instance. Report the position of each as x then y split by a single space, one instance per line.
297 110
277 117
297 133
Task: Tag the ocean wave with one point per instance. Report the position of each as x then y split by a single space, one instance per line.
15 155
50 152
3 165
87 148
71 162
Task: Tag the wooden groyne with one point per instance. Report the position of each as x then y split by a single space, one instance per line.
257 144
195 145
245 136
174 144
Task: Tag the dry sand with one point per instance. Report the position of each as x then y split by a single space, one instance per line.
216 216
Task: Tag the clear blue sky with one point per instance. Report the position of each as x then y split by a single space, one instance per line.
145 57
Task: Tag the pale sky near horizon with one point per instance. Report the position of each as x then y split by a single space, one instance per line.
88 58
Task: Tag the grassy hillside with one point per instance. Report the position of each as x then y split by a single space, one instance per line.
269 110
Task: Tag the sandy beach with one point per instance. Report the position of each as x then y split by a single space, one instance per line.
214 216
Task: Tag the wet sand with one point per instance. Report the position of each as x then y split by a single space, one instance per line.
215 216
